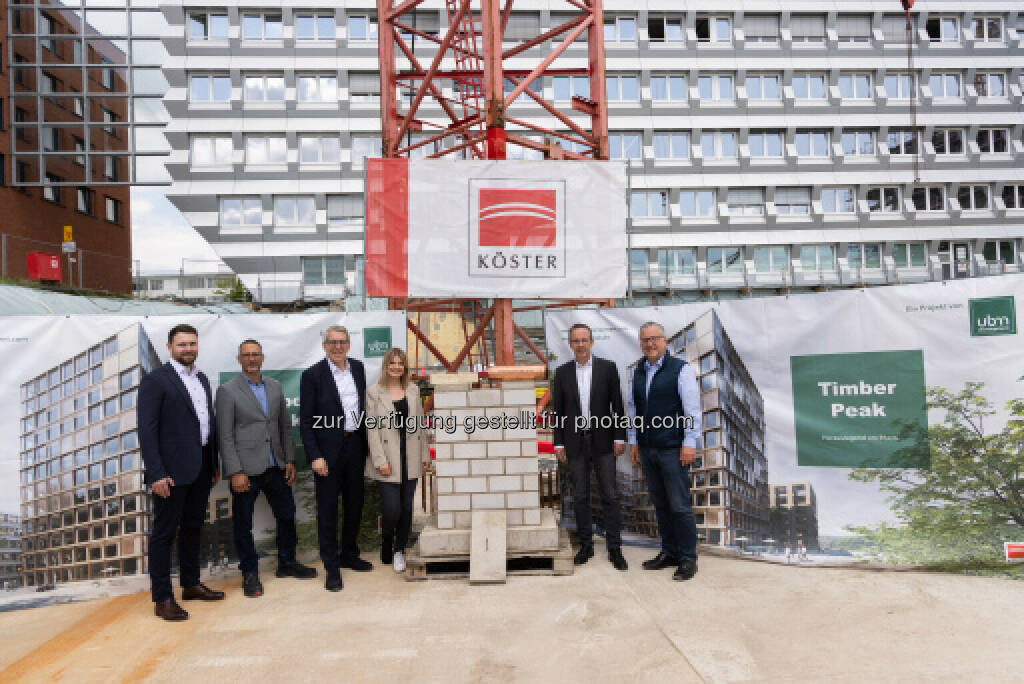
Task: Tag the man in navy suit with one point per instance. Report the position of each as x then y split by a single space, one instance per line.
177 436
331 400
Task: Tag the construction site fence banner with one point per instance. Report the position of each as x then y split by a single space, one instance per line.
453 228
68 389
886 420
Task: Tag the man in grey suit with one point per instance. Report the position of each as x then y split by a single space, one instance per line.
258 454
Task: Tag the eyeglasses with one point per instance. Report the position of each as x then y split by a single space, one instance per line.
652 339
336 343
251 355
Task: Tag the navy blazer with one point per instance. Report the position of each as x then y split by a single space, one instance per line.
321 418
169 434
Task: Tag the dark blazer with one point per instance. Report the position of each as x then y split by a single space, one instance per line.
168 427
321 418
605 400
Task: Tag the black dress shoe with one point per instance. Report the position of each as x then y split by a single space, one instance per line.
201 592
357 564
686 570
251 585
168 609
661 561
617 560
295 569
333 581
583 555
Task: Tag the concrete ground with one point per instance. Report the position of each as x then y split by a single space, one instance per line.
736 621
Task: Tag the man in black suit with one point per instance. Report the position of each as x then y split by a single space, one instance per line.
586 390
332 393
177 436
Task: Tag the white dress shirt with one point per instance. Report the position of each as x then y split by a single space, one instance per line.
348 392
584 378
198 395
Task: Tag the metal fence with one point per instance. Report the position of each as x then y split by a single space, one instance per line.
82 269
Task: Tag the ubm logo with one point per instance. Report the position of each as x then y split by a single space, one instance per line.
993 316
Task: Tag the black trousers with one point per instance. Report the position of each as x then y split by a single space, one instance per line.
279 495
603 464
181 514
344 478
396 502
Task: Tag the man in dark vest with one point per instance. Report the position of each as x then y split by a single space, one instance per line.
664 394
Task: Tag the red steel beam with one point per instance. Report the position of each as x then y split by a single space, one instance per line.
529 343
480 327
429 345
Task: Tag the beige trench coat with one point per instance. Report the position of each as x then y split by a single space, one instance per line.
384 442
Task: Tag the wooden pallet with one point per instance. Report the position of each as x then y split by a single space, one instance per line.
522 562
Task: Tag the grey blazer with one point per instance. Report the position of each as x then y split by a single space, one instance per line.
245 434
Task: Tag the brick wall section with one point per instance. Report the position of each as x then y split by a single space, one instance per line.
487 468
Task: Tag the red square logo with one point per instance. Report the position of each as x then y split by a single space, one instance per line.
517 218
1014 551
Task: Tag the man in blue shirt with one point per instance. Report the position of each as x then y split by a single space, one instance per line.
663 392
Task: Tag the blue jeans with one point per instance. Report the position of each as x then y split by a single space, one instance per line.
668 482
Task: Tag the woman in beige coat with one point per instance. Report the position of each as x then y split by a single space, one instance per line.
399 451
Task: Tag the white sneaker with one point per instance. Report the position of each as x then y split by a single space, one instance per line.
398 562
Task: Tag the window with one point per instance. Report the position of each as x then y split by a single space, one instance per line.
718 145
624 146
241 211
902 141
258 26
666 88
990 84
864 256
363 147
763 86
619 29
344 210
812 144
793 201
109 117
513 151
697 203
675 145
769 260
999 252
83 200
714 29
993 140
110 166
948 141
362 27
817 257
46 27
854 29
855 86
665 29
323 270
987 29
319 150
568 87
294 212
942 29
715 87
765 144
364 87
210 88
638 263
51 191
899 86
894 29
317 88
521 26
944 85
746 202
261 149
809 86
264 88
621 88
838 200
314 25
679 261
725 260
761 28
973 197
211 151
807 28
909 254
858 143
929 198
51 139
207 26
113 209
649 204
883 200
1013 196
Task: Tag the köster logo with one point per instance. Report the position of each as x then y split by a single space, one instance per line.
517 218
993 316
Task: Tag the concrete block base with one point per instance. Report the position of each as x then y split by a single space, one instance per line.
446 542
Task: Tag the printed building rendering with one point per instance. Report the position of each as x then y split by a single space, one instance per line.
794 515
10 551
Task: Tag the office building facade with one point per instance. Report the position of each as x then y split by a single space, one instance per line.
10 551
794 515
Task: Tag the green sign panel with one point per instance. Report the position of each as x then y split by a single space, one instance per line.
289 380
860 410
993 316
376 341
